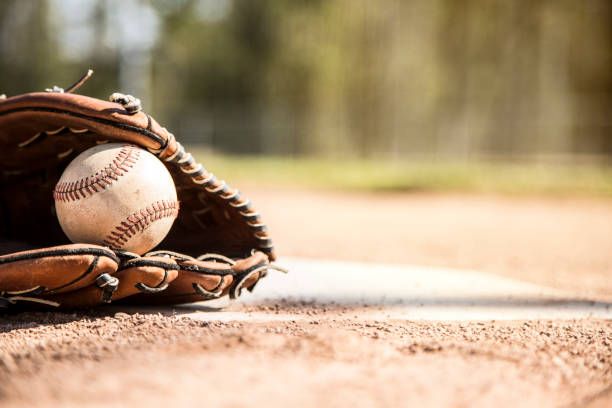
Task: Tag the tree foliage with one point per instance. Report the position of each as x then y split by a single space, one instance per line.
335 77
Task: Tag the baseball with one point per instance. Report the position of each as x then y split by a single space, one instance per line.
117 195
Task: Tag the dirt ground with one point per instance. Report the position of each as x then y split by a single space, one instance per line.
329 355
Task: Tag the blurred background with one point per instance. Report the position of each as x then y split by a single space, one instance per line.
477 95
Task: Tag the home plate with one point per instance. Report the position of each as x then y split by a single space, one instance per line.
401 292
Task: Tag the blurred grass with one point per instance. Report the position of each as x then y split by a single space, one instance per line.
418 175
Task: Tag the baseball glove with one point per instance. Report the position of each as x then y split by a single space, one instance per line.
40 133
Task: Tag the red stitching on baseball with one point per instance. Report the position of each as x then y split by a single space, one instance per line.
139 221
121 164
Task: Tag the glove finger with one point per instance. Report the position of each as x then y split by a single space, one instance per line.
54 270
248 272
208 279
195 280
139 275
145 275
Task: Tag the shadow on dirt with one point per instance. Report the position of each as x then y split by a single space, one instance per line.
15 319
19 320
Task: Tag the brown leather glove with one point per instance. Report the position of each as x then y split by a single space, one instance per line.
40 133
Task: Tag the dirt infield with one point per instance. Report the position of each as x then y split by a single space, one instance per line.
328 359
333 355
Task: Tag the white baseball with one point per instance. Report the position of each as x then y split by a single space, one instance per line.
117 195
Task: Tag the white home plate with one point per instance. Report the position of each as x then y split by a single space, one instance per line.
403 292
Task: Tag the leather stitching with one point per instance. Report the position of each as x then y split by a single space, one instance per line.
120 165
139 221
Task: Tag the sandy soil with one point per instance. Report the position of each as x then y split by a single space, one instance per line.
328 359
329 355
